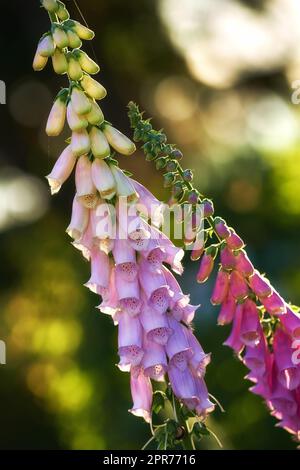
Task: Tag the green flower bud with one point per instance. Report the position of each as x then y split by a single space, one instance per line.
62 12
74 70
172 165
161 163
177 154
46 46
99 143
188 175
39 62
118 141
169 179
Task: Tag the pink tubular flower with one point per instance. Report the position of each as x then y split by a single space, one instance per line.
227 310
257 357
291 323
228 259
238 286
288 373
148 205
206 267
221 288
141 391
259 285
155 325
250 325
234 241
234 340
274 304
243 265
125 259
128 294
62 169
221 228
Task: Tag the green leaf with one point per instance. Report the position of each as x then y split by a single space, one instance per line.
158 404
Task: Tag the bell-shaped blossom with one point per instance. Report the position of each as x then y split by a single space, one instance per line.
85 188
62 170
141 392
288 372
130 341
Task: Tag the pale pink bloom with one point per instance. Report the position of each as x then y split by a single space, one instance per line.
221 287
178 349
257 358
62 169
154 360
250 326
238 286
234 339
177 294
173 254
85 243
79 220
86 190
282 402
204 406
227 310
155 288
199 359
110 302
260 285
100 272
128 294
124 186
125 259
189 313
103 221
130 338
80 142
156 326
148 204
141 392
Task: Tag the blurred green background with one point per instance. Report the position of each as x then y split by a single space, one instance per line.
217 76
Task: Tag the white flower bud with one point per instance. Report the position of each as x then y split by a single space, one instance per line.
60 37
75 121
74 70
79 220
99 144
82 31
93 88
39 62
80 142
74 40
50 5
56 119
87 64
62 169
85 188
119 141
80 101
59 62
103 179
124 186
95 116
46 46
